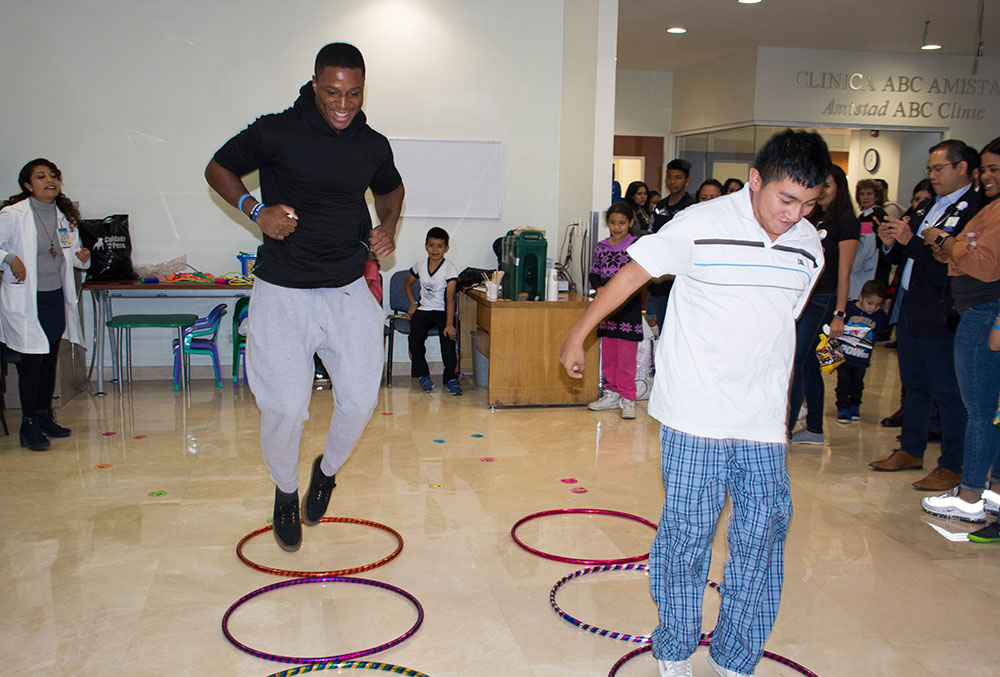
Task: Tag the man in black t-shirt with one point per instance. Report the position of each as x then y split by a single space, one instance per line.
316 160
677 179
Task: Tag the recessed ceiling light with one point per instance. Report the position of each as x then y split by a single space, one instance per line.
677 30
931 46
749 2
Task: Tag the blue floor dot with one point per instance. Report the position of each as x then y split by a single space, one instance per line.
438 441
477 435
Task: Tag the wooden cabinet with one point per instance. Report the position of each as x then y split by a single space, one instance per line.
522 340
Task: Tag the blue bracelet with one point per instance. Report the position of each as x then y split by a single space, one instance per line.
239 205
256 210
996 326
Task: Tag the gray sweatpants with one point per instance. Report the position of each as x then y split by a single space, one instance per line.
343 326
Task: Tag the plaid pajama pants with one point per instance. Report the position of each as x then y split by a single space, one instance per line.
696 473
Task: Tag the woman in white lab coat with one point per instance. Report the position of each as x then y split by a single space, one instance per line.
39 246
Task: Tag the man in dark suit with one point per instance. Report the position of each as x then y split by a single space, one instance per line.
925 333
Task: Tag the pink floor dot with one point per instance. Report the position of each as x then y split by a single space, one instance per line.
578 490
387 413
487 459
568 480
108 434
138 437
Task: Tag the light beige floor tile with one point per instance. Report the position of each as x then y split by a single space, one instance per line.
102 578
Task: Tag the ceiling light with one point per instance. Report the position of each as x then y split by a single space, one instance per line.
928 45
749 2
677 30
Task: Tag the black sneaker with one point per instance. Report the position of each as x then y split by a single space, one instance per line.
988 534
318 496
31 434
286 525
49 426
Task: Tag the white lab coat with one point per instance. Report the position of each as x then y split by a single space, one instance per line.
19 325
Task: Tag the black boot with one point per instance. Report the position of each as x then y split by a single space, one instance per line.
31 434
285 522
318 496
49 425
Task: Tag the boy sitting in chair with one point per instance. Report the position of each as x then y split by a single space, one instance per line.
436 308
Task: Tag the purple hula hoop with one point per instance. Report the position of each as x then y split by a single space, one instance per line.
320 659
576 511
767 654
601 632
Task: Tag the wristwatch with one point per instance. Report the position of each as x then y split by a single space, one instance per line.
939 240
840 313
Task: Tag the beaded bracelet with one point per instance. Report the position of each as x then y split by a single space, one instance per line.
256 210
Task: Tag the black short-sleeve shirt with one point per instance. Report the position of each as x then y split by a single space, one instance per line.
323 175
846 227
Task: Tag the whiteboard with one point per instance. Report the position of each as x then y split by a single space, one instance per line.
450 179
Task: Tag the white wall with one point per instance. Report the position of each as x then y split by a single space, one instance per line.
132 99
587 118
888 146
643 102
716 93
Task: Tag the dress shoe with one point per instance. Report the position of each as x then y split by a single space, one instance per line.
940 479
898 460
894 421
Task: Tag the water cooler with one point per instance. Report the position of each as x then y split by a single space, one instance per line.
523 258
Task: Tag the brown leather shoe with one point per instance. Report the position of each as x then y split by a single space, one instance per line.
894 421
898 460
940 479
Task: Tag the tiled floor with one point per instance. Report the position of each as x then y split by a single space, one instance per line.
102 576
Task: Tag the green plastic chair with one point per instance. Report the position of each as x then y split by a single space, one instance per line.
123 326
240 313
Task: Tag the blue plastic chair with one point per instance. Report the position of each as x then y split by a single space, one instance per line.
200 339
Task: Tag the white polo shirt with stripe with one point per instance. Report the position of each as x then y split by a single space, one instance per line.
725 352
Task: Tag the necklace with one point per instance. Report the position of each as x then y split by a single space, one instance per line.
51 236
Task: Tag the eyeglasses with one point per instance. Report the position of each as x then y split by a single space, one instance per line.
938 168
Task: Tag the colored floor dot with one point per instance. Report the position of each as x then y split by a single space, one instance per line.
387 413
438 441
108 434
568 480
487 459
477 435
102 466
157 493
436 486
138 437
578 490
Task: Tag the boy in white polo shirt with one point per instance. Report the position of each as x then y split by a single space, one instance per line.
745 265
436 308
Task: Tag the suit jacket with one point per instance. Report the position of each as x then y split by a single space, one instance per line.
929 300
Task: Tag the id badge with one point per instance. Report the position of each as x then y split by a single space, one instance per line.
950 224
64 239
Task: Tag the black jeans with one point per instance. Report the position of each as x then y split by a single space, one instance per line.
850 385
420 325
36 372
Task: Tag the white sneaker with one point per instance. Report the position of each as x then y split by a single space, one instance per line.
951 506
721 671
675 668
607 401
991 502
628 408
